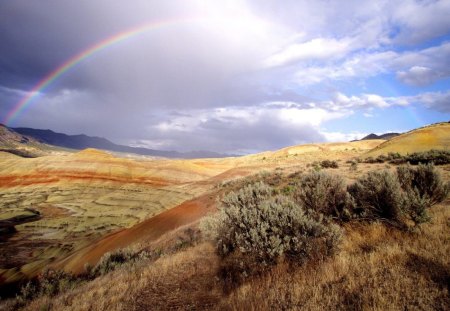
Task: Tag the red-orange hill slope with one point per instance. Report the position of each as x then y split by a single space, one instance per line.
148 230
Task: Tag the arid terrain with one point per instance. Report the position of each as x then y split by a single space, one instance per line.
92 202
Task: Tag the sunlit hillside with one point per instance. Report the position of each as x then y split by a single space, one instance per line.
429 137
92 202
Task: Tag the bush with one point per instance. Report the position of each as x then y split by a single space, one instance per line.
256 230
324 193
437 157
111 261
399 197
378 195
329 164
354 166
49 283
372 160
423 187
393 156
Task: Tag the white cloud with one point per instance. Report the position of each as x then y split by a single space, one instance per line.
341 101
434 100
342 137
417 68
318 48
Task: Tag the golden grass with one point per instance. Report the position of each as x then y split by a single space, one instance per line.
436 136
184 280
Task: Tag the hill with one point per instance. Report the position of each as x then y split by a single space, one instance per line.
23 145
93 202
82 141
435 136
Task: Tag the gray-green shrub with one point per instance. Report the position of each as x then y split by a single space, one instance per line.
397 198
378 195
324 193
256 230
423 187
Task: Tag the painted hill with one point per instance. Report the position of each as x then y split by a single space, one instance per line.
80 142
435 136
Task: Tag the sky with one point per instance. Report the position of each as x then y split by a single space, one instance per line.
227 76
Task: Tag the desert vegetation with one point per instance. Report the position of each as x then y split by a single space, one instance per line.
309 227
257 227
437 157
297 240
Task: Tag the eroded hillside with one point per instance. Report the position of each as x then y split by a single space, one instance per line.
85 196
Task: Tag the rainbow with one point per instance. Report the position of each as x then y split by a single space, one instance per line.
83 55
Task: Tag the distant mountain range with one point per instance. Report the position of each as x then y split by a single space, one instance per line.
82 141
385 136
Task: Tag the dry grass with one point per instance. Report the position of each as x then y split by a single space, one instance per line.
181 281
378 268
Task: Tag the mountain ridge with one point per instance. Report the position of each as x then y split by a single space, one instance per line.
385 136
82 141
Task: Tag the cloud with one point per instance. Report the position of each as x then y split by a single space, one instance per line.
318 48
241 75
435 100
417 68
271 126
419 21
342 137
417 76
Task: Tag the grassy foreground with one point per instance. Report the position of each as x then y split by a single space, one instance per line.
379 267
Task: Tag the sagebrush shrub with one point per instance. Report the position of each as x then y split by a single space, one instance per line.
423 187
437 157
112 260
49 283
255 230
329 164
371 160
398 197
324 193
378 195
